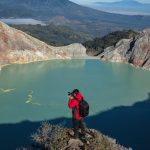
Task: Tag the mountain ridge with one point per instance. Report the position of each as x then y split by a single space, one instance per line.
133 2
125 6
77 17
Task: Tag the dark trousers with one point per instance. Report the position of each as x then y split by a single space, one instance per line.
78 124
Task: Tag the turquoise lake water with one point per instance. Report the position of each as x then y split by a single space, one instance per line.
38 91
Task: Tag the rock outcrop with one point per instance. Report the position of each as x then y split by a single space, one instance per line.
19 47
57 137
135 51
75 50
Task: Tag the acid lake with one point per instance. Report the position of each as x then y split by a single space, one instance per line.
118 95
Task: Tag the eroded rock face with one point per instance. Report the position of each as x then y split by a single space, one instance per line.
19 47
135 51
75 50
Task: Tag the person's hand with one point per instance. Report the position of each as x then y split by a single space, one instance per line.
71 96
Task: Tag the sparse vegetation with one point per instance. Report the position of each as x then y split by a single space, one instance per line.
54 35
97 45
49 136
57 137
61 35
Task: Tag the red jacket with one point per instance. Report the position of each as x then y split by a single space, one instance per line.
74 105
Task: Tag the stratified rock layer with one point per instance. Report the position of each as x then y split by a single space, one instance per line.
135 51
19 47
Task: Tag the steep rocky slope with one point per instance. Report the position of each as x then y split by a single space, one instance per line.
54 35
135 51
18 47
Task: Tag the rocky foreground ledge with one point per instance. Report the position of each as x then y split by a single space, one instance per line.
56 137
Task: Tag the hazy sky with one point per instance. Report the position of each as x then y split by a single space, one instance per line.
89 1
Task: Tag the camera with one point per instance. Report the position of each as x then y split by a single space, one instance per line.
75 91
70 93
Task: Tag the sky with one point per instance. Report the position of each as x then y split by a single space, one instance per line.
89 1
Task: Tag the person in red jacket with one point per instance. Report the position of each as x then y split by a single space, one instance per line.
77 120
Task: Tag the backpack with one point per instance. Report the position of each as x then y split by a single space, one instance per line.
83 108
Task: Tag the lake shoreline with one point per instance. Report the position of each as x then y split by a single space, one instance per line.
85 58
